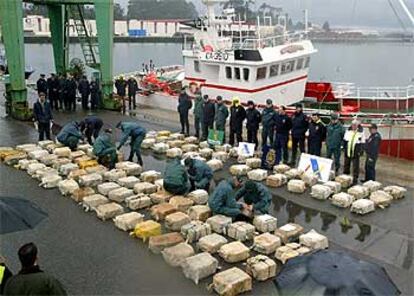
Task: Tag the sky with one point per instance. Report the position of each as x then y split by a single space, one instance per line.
351 13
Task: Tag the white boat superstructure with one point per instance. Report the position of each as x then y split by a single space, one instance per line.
252 68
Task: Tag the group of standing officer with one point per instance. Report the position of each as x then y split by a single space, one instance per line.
122 86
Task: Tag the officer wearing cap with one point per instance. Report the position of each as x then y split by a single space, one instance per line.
372 147
317 134
41 84
300 125
335 135
254 118
283 124
268 114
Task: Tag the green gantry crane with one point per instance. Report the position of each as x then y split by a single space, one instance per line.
11 15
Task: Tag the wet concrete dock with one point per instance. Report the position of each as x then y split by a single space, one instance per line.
92 257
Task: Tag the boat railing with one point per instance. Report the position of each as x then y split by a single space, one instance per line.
349 90
272 41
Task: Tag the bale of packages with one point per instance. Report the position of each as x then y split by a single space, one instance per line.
362 206
65 169
24 163
176 144
159 212
219 223
234 252
109 211
257 175
265 223
6 151
67 187
254 163
86 162
314 240
159 242
199 212
397 192
163 133
281 168
215 164
289 232
176 220
145 187
344 180
310 179
76 154
99 169
79 194
12 160
174 152
293 174
358 191
276 180
25 147
48 159
76 174
62 152
59 162
289 251
160 148
204 144
221 155
84 147
32 168
114 175
146 229
160 184
320 191
138 202
242 158
211 243
336 187
199 196
234 152
161 196
372 185
147 143
296 186
90 180
266 243
43 144
224 148
342 200
191 140
50 181
181 203
199 266
128 182
239 170
47 171
130 168
206 153
195 230
191 154
107 187
381 198
241 231
177 136
150 176
162 139
189 148
261 267
119 195
175 255
90 202
232 282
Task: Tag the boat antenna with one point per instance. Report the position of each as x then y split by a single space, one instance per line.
306 21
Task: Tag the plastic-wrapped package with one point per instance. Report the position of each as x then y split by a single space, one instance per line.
320 191
397 192
199 266
234 252
363 206
232 281
175 255
211 243
257 175
276 180
314 240
266 243
261 267
265 223
342 200
296 186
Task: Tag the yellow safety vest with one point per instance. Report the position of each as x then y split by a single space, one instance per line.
2 270
352 144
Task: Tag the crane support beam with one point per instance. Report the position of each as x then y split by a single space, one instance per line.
11 15
57 16
60 2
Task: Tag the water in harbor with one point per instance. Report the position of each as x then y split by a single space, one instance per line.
366 64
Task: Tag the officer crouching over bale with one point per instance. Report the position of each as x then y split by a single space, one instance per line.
104 148
137 134
70 135
256 197
176 178
200 174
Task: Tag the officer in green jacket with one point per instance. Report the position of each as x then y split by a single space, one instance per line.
200 174
31 280
221 116
176 178
70 135
104 148
335 135
256 196
268 115
137 134
223 202
198 113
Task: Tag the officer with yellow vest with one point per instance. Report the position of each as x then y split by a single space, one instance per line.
354 142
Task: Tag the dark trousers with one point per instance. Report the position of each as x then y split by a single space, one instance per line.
314 147
281 148
297 141
54 100
73 102
252 137
197 125
336 153
85 102
44 130
193 187
370 164
355 166
94 101
185 124
136 149
206 126
132 101
267 133
235 132
89 133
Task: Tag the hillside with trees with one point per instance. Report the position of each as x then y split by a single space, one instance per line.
161 9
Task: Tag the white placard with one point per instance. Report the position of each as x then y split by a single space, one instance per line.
314 164
246 149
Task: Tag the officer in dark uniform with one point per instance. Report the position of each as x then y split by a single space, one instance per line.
254 118
132 92
317 134
372 147
283 124
41 85
300 125
268 117
91 127
53 95
237 116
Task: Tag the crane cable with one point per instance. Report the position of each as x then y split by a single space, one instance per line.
397 15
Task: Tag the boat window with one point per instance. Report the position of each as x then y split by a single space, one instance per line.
299 64
237 73
246 74
228 73
274 70
307 62
261 73
287 67
197 66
